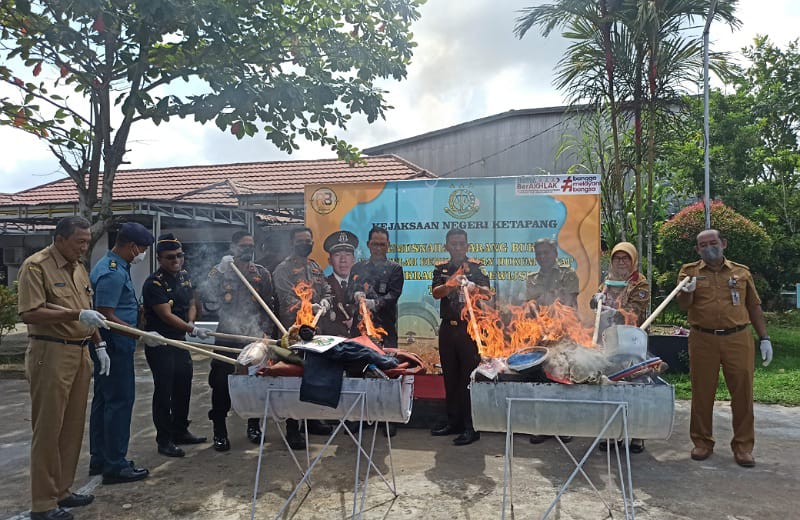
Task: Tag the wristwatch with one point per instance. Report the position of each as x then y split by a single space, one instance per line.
102 344
763 338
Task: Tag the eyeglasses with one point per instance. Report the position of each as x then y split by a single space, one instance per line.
621 259
173 257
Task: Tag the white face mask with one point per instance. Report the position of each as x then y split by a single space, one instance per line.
139 258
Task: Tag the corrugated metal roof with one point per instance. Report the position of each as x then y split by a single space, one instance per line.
222 183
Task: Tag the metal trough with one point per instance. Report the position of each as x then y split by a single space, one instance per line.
650 408
386 400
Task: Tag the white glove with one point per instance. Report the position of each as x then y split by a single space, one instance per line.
691 286
225 264
462 279
200 332
358 296
766 351
471 287
370 304
102 357
92 318
153 342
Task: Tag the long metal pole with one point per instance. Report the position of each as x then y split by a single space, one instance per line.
706 162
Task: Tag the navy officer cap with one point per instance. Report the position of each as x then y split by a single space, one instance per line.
136 233
167 242
340 240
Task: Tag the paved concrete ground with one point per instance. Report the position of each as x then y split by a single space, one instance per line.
435 479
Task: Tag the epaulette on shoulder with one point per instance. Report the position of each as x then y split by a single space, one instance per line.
737 264
475 261
442 263
112 265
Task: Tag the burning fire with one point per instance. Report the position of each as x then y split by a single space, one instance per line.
366 325
305 291
501 333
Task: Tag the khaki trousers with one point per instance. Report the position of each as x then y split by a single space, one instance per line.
59 378
735 353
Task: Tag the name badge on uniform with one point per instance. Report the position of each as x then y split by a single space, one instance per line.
382 288
732 283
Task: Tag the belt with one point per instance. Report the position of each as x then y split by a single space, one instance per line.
721 332
53 339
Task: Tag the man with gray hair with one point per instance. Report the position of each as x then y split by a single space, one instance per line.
57 364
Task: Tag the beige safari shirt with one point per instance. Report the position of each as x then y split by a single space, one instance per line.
47 277
549 285
714 305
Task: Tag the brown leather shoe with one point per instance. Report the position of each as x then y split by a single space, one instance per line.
744 459
700 453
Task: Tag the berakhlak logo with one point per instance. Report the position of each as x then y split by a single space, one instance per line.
567 185
324 200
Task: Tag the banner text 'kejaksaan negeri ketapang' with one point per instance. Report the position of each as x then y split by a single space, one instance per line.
470 224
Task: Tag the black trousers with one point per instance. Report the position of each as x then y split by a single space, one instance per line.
221 395
172 378
459 355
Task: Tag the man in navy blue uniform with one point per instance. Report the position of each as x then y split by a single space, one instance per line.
379 282
457 350
112 403
170 309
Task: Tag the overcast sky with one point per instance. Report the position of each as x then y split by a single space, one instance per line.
467 65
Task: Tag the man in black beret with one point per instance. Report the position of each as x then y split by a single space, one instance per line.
170 309
340 246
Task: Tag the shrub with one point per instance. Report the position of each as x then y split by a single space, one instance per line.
747 242
8 310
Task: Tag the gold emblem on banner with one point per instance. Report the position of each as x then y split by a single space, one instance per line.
323 201
462 204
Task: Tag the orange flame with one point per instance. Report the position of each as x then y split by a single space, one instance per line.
554 324
366 325
305 291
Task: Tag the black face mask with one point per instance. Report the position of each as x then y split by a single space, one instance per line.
302 249
246 253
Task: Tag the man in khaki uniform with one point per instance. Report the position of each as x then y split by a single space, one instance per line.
552 282
722 301
57 364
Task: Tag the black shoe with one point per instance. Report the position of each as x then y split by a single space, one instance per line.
170 450
603 446
319 428
446 430
187 438
296 440
566 439
468 437
129 474
538 439
391 429
76 500
221 443
637 445
52 514
254 433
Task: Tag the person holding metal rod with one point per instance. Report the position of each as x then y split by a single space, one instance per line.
378 282
551 283
57 364
722 301
170 309
457 350
624 289
114 393
239 314
295 268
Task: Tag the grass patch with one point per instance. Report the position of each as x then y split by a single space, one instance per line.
779 383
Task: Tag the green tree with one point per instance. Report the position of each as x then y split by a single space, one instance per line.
87 70
8 310
630 57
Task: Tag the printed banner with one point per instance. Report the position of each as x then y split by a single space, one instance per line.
503 218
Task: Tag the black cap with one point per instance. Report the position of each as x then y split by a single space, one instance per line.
167 242
136 233
340 240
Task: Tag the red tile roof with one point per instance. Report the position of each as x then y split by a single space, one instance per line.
220 184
